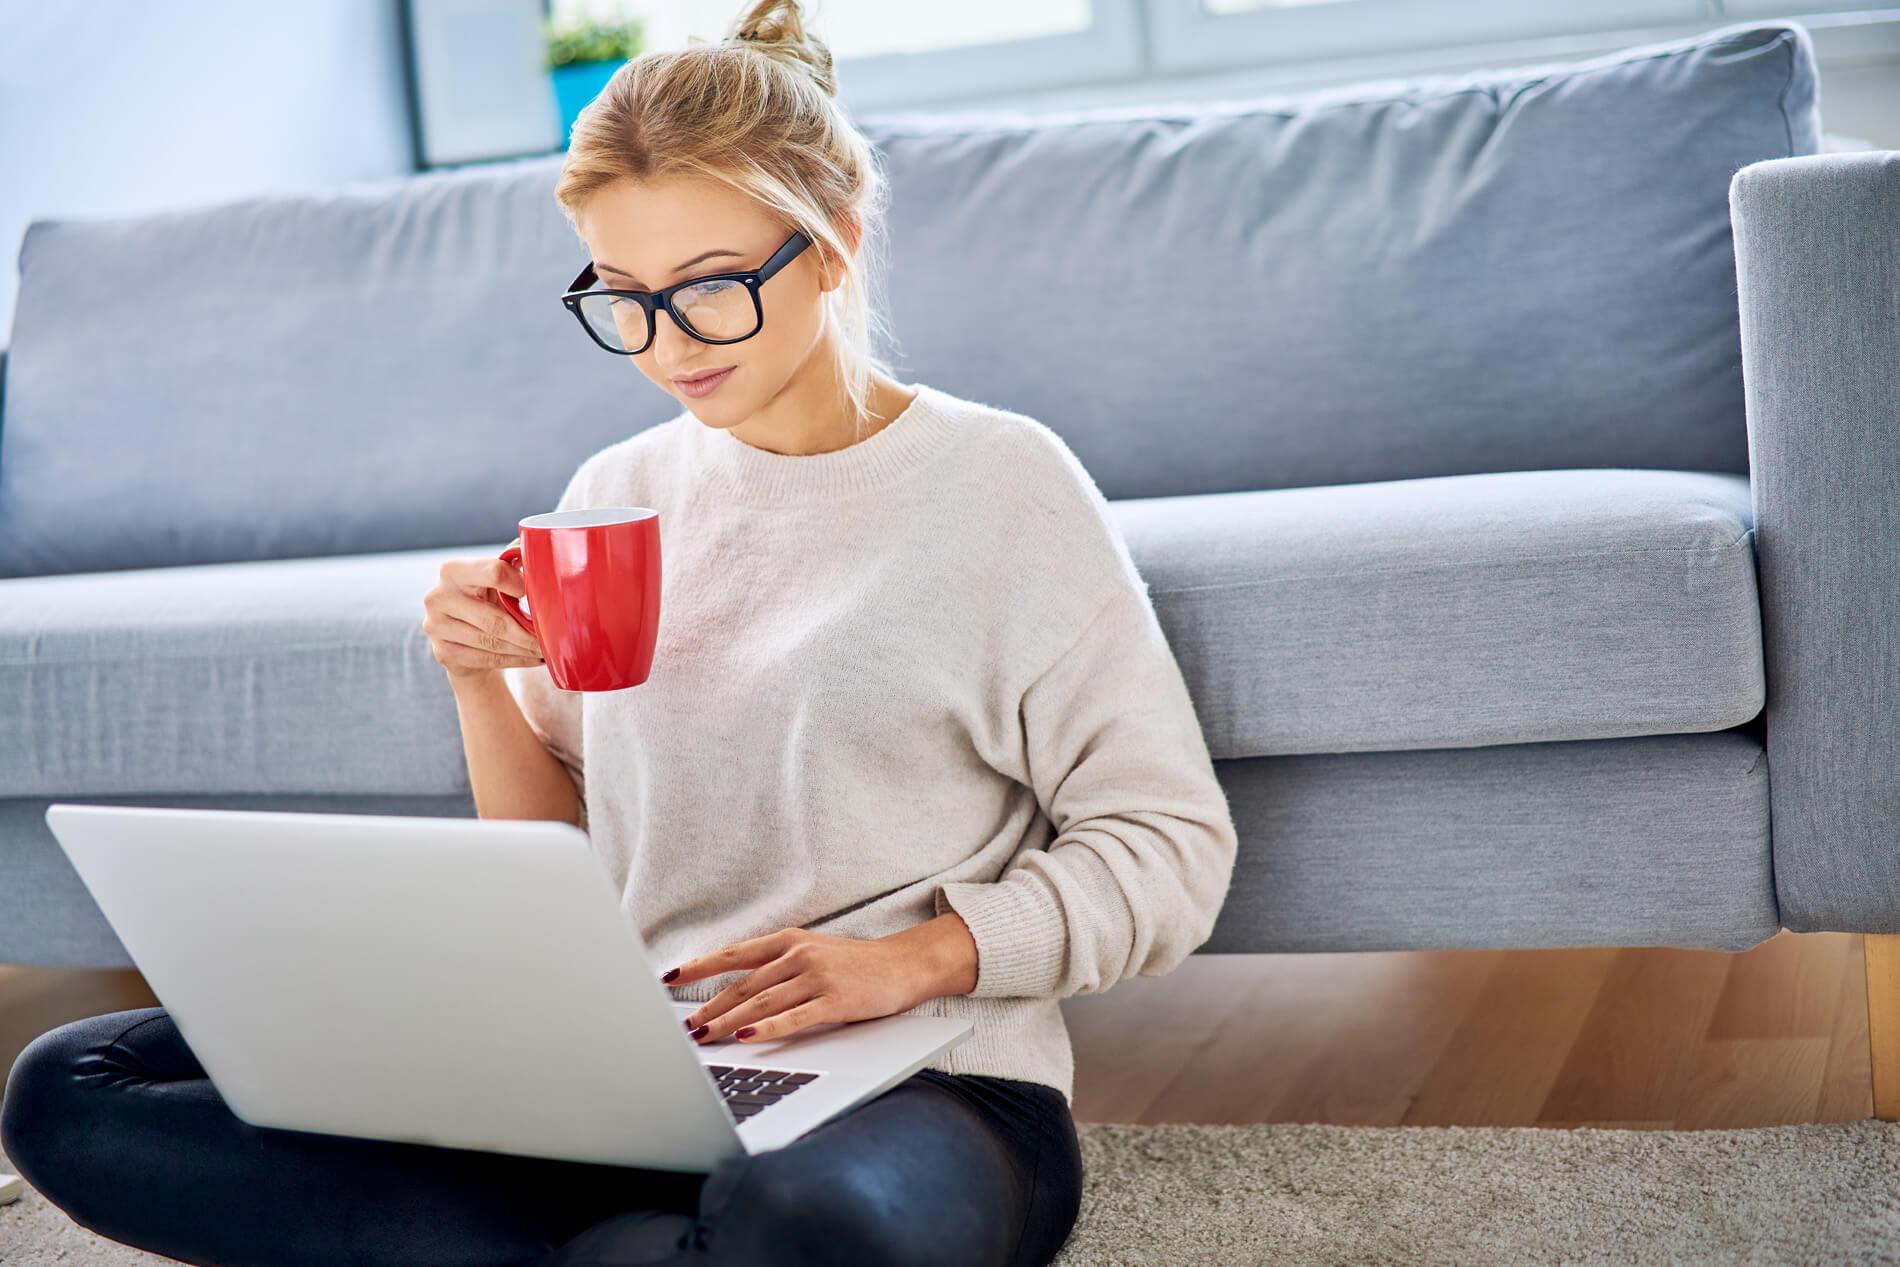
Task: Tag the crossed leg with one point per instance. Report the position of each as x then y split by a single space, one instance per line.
114 1120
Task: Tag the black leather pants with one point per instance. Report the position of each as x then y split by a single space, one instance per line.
113 1120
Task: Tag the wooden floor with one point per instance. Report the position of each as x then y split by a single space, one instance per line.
1643 1037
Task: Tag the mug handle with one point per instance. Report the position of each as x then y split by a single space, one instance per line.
508 602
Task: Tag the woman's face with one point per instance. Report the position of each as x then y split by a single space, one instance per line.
649 235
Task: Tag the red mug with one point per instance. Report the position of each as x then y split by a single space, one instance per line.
593 582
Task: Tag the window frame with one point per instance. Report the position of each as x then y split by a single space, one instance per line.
1184 38
1171 44
1114 47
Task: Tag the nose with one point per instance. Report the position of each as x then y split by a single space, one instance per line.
666 329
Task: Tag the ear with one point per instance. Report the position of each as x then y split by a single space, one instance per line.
852 230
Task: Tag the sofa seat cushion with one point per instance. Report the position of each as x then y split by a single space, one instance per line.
307 675
1442 612
1454 611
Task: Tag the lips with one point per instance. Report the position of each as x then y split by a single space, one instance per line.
699 377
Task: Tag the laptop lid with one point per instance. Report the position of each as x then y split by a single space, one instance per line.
469 983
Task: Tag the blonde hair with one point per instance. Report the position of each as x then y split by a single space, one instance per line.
757 112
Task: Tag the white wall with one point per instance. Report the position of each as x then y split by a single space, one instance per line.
111 107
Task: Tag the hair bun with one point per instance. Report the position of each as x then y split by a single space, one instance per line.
777 29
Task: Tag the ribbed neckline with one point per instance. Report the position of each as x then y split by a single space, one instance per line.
758 476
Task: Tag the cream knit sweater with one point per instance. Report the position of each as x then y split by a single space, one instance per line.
915 674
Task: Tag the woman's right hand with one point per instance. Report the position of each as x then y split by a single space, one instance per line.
469 631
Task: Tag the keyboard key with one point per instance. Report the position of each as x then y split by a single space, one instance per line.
751 1089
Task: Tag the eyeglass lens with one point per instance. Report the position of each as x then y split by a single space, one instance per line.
714 310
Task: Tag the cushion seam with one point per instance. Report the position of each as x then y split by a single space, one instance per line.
1158 592
275 650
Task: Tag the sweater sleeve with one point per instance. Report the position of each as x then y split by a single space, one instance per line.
1145 844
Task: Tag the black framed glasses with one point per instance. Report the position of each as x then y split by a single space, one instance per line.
720 308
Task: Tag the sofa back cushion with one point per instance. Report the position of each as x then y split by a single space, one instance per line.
1504 270
1508 270
378 367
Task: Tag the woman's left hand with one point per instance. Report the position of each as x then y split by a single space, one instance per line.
802 978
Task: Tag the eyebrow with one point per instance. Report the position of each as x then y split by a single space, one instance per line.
621 272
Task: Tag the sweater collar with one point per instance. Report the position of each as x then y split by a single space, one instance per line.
910 441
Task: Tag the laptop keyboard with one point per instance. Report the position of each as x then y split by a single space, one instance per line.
747 1090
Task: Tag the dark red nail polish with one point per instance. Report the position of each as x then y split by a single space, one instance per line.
747 1032
700 1032
671 974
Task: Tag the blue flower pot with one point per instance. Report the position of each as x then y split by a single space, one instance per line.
576 85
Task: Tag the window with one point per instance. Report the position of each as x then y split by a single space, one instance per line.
894 54
1241 6
1192 35
872 28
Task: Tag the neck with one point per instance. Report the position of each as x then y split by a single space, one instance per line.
916 436
812 414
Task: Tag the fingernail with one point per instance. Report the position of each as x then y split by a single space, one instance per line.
747 1032
671 973
700 1032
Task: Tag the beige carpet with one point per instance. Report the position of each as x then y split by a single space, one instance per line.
1407 1195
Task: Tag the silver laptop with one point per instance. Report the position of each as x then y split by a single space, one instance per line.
463 982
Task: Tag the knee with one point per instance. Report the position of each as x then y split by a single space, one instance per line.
798 1216
36 1101
40 1115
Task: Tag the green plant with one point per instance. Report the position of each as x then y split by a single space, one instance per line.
586 39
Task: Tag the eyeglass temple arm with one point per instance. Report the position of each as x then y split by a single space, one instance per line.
793 245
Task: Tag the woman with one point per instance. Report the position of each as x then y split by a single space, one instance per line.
913 742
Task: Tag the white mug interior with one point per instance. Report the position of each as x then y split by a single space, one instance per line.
588 517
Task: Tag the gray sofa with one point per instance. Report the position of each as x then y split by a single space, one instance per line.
1526 528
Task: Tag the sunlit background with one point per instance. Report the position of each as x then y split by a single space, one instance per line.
126 106
860 28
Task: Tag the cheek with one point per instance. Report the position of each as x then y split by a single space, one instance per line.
790 329
803 320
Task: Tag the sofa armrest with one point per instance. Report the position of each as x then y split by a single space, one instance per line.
1817 262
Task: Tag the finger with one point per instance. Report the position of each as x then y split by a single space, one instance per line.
491 638
768 1007
811 1012
488 619
740 954
749 986
502 574
476 577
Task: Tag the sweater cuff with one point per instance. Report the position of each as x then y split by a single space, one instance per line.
1021 938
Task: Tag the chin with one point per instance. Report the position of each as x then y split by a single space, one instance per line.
717 424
